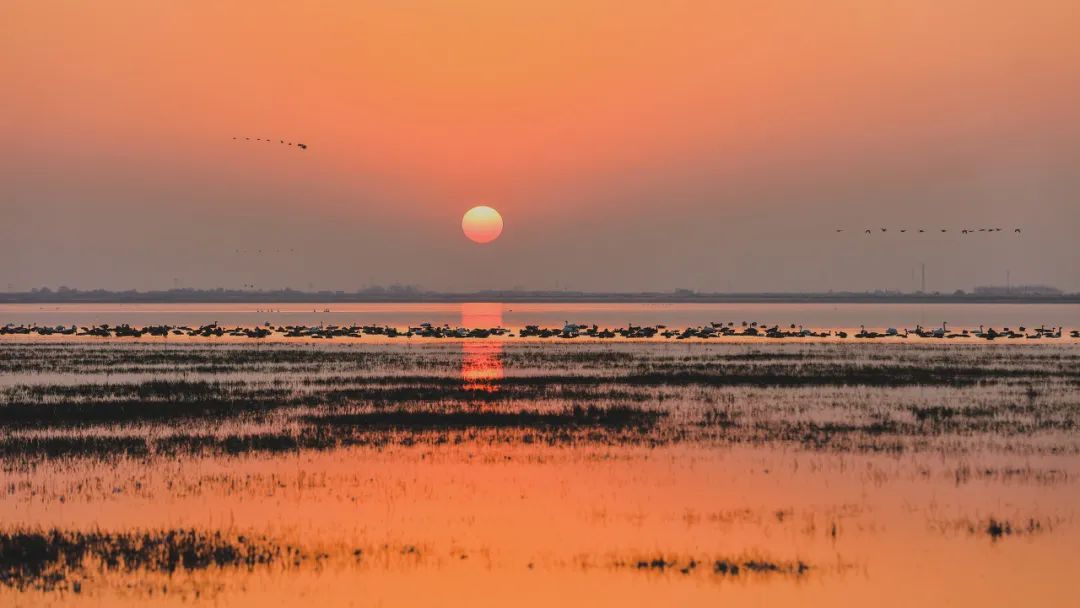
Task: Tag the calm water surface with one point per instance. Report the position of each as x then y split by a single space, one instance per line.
518 315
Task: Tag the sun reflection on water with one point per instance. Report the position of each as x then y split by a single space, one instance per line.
481 359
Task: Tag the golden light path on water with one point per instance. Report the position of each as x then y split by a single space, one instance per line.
481 359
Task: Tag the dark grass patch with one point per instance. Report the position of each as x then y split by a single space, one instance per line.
443 390
88 404
56 559
235 445
26 415
76 413
150 389
727 567
570 418
996 528
780 375
15 448
937 414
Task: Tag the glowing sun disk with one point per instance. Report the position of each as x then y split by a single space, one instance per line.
482 224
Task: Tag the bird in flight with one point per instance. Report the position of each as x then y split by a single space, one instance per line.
280 141
963 231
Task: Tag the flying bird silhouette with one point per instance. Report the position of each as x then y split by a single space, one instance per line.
270 141
963 231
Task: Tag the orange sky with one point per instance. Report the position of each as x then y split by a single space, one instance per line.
599 129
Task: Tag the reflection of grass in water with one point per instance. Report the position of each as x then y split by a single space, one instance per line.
378 427
121 411
129 358
68 446
847 397
574 417
83 405
725 566
63 560
369 358
996 528
752 421
965 473
50 559
161 401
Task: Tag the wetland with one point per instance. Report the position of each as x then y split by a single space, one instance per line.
489 472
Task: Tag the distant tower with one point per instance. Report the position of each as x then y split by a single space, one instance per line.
924 277
1008 281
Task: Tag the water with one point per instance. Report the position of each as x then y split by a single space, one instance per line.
459 473
519 314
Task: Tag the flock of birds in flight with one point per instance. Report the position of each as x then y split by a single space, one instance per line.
303 146
962 231
260 251
270 141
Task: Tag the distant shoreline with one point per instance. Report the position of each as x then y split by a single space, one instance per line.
214 296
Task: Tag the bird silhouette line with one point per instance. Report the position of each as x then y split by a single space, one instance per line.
963 231
302 146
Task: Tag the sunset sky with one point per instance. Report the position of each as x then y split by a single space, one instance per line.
711 145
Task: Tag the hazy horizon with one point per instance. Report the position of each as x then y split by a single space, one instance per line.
707 146
382 291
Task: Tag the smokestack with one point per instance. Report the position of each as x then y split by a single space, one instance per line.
924 277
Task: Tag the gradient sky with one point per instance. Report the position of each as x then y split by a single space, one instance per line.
710 145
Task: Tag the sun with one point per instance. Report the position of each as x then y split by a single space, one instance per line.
482 224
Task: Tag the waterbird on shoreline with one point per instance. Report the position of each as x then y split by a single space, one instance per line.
753 330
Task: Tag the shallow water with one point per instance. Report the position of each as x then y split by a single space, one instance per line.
896 473
520 314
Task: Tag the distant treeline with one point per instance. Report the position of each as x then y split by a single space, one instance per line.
406 294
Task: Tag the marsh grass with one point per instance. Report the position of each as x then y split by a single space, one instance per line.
55 559
851 397
733 567
995 527
570 418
